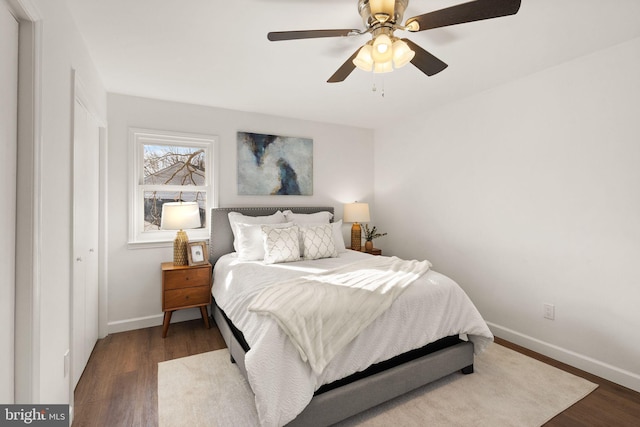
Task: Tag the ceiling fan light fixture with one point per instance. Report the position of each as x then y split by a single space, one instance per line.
382 49
402 54
364 60
382 18
383 67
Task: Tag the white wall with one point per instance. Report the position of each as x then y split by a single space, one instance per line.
530 194
342 173
62 51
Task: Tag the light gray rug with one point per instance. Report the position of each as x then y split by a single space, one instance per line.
507 389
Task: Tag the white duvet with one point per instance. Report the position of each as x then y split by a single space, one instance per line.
430 308
323 312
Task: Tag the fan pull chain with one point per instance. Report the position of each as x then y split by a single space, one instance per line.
374 88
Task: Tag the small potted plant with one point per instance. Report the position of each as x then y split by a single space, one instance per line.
369 235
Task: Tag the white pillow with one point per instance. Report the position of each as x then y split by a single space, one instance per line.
318 242
280 244
323 217
238 218
338 238
251 240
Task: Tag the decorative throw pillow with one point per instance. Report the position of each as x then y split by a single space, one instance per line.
338 239
238 218
280 244
318 242
251 241
323 217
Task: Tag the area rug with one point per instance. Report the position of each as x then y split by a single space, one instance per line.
507 389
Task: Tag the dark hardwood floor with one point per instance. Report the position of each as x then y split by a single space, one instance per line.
119 385
610 405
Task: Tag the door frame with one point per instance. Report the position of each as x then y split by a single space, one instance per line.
9 78
29 202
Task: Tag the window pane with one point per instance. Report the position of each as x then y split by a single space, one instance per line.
153 201
174 165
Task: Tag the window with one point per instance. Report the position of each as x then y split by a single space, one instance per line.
170 167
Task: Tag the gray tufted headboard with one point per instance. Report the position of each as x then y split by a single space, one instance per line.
221 239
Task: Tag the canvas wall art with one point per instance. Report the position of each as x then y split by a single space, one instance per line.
274 165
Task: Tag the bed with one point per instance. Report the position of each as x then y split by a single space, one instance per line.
346 387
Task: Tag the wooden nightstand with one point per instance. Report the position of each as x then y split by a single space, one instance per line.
373 251
185 286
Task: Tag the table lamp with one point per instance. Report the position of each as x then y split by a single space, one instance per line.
180 216
356 213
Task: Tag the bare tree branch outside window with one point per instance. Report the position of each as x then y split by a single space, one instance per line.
172 166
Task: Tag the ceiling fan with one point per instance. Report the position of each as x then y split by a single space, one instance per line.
384 51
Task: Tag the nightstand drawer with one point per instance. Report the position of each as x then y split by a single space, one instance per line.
187 278
180 298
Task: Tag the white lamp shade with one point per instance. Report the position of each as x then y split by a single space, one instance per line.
356 212
363 60
180 216
382 49
402 54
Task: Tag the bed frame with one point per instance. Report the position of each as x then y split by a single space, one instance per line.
374 386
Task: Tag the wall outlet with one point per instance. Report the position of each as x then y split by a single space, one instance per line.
549 311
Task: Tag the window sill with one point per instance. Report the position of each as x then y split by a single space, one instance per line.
165 239
158 244
150 244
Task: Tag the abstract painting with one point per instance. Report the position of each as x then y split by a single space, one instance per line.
274 165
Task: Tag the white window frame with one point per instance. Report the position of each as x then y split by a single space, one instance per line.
138 138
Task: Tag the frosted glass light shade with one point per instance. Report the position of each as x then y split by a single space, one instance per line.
363 60
180 216
356 212
382 49
384 67
402 54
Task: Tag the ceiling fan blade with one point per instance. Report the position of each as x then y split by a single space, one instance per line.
344 71
466 12
424 61
309 34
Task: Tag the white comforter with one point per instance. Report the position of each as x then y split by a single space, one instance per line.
323 312
432 307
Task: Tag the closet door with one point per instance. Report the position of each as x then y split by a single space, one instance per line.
85 238
8 165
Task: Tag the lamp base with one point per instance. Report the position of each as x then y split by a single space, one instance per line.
180 248
356 237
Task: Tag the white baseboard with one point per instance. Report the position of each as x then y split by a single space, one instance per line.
596 367
154 320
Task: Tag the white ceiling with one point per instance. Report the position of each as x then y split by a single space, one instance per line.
216 53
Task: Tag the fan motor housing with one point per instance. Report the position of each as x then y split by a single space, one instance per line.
369 20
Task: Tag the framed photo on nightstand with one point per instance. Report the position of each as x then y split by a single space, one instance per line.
197 253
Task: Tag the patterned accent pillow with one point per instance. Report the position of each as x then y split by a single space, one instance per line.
318 242
251 241
280 244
